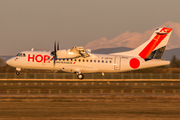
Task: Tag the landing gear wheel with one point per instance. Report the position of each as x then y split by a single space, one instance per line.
17 72
80 76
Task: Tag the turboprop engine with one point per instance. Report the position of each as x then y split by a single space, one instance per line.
69 53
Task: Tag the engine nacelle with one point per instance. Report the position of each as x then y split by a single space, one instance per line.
66 54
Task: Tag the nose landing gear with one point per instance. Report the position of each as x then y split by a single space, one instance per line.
18 71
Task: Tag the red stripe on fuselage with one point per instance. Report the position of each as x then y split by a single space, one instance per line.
154 43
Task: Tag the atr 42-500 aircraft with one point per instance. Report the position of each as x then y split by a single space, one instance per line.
79 61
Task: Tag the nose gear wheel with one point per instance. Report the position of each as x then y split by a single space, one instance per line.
17 73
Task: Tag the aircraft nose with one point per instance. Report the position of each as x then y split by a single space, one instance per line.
8 62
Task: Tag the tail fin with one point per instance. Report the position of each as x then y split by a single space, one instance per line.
154 47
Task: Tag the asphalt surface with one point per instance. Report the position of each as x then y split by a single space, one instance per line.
89 100
89 87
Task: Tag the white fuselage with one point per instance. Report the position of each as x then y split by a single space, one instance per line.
95 63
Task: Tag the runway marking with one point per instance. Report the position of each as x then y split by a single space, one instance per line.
108 82
91 80
90 91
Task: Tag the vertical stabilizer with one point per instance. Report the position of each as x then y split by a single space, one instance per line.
157 42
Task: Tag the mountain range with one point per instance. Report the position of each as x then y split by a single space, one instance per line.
134 39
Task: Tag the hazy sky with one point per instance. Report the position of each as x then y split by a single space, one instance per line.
26 24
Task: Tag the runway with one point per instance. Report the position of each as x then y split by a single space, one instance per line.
89 87
101 100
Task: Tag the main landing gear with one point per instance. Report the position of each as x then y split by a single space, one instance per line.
80 76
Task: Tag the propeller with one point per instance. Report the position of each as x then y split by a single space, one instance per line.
58 46
54 53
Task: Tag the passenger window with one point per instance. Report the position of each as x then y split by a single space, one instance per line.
110 61
106 61
83 60
79 60
86 60
90 60
94 60
102 61
74 59
71 59
98 61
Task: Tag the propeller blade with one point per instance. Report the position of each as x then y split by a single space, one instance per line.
54 53
54 60
55 47
58 46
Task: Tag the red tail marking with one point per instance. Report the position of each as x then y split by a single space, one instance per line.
154 43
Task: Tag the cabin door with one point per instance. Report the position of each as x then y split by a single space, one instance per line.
117 63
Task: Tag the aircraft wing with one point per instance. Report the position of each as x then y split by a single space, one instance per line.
81 51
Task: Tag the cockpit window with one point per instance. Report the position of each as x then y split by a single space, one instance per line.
21 55
18 54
